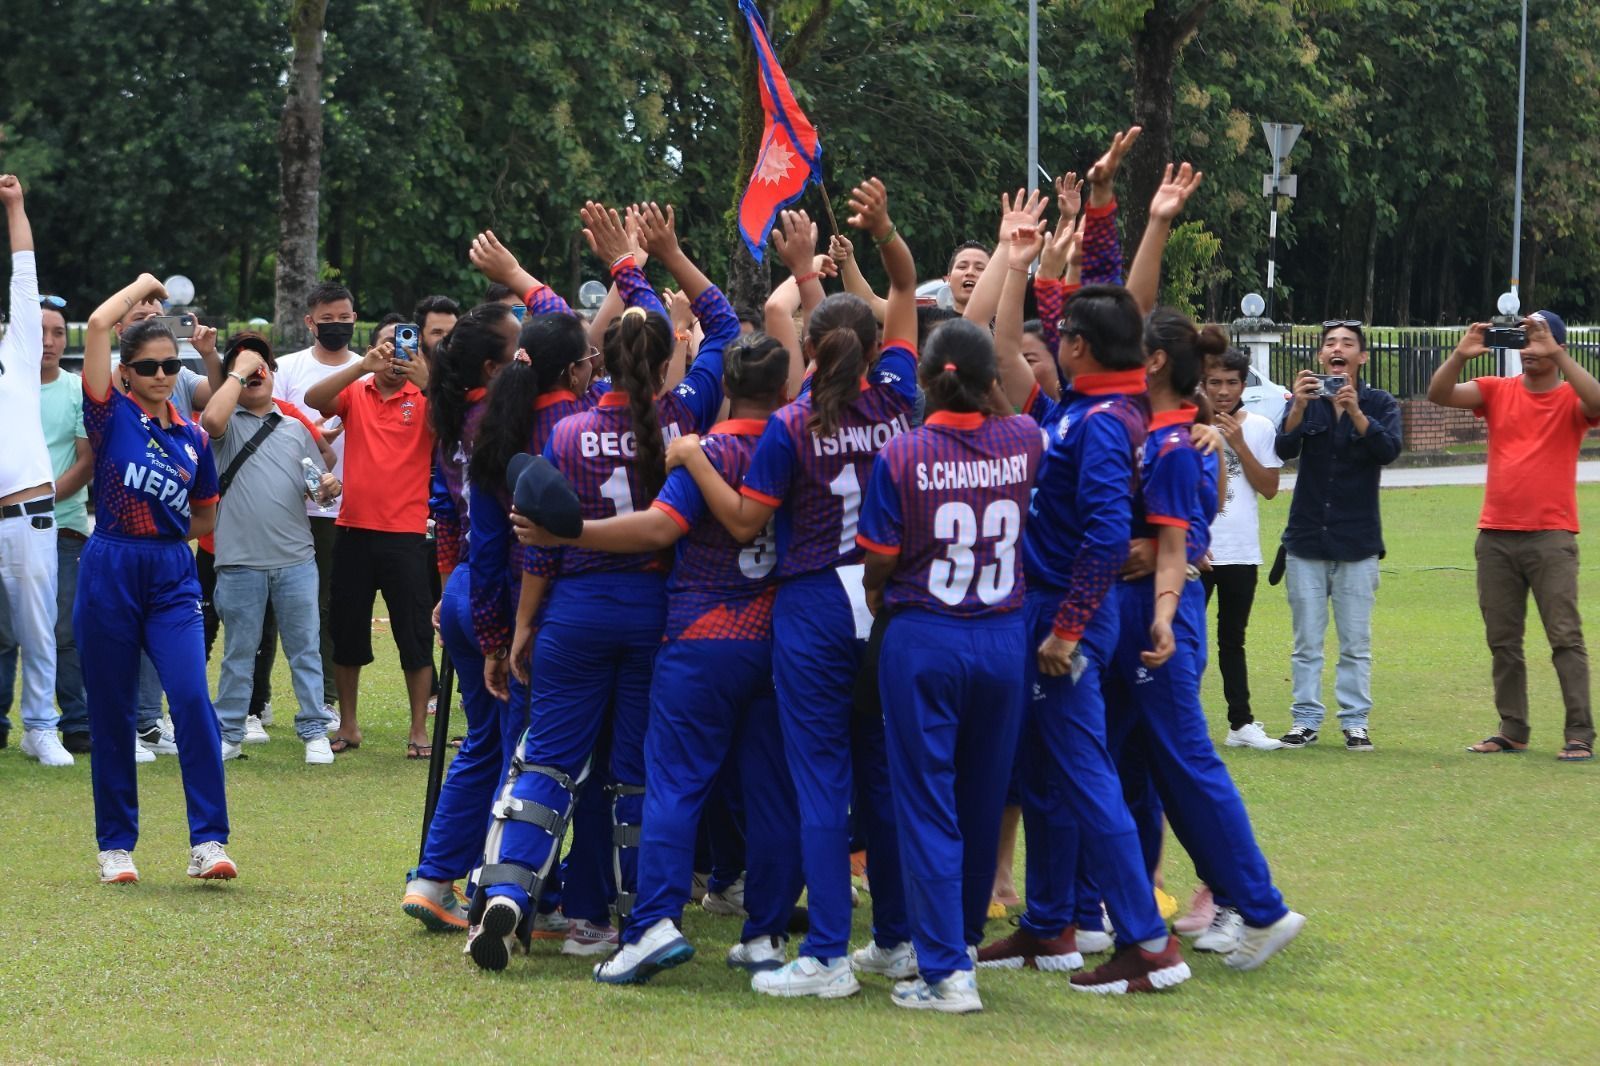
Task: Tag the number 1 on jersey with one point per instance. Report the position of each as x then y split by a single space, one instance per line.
848 488
616 489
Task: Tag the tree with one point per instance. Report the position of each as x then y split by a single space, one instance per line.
300 174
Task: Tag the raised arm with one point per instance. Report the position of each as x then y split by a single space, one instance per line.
1542 342
843 254
870 202
324 395
16 217
1016 376
608 239
497 263
1023 212
219 408
97 333
1144 277
1445 387
795 238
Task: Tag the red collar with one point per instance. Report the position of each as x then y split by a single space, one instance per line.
407 389
177 419
614 399
740 427
474 395
550 399
1183 415
1110 383
955 420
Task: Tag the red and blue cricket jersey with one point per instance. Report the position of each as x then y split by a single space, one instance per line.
1080 520
543 300
447 489
817 482
1102 265
496 562
719 589
146 477
950 499
1178 484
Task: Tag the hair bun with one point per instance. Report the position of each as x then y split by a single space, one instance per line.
1212 340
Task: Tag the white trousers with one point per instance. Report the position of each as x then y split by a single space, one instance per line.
28 572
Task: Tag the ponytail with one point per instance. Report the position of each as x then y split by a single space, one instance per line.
457 367
637 346
1187 346
841 336
506 428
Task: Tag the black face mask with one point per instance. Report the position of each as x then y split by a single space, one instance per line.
335 336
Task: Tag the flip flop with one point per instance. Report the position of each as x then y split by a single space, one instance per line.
1502 746
418 751
1575 751
340 745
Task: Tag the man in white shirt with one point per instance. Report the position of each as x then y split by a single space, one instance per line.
331 317
1253 466
27 493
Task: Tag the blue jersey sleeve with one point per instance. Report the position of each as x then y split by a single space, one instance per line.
882 520
1170 483
896 369
488 570
701 388
773 466
539 561
635 290
205 474
1105 498
681 499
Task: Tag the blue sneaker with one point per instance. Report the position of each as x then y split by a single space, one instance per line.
661 948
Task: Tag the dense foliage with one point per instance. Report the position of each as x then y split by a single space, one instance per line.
146 131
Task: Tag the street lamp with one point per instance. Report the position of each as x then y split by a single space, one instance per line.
1522 99
1280 138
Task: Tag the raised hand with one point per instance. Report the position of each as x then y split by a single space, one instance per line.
10 190
150 287
870 202
825 266
1174 191
1472 341
657 229
204 339
632 223
1026 241
378 357
1061 247
1103 175
679 309
795 238
840 249
1025 210
494 260
1069 195
602 228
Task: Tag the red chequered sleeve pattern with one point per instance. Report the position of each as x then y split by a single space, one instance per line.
635 290
1102 249
1050 296
543 300
1108 482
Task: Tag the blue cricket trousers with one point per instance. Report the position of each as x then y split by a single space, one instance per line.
1072 795
595 653
952 701
461 819
815 656
710 699
1159 717
142 594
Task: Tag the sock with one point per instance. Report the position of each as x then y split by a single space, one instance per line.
1159 944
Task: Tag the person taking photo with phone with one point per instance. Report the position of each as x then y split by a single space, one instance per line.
1343 431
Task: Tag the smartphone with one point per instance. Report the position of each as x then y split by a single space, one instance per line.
182 326
407 338
1506 337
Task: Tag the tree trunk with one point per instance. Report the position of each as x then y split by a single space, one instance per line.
1402 288
247 269
1372 265
300 174
1168 25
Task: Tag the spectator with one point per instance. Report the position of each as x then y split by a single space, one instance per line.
27 494
1334 538
1252 464
331 316
61 397
435 316
264 552
967 263
1527 531
382 530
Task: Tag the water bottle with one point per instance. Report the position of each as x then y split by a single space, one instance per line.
313 480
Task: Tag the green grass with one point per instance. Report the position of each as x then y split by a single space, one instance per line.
1449 898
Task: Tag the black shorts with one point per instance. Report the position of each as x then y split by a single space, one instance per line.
366 562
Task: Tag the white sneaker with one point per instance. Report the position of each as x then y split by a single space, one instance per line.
660 948
116 868
1252 736
758 955
45 745
552 926
230 750
956 994
438 905
1256 946
319 752
142 754
332 713
253 731
586 938
159 739
1225 934
898 962
729 902
266 713
494 938
1094 941
807 976
209 862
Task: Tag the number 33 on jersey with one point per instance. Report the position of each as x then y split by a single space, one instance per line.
950 499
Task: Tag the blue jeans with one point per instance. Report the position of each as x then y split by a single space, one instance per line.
1353 588
69 668
241 597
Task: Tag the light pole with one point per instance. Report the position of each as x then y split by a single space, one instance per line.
1280 138
1033 93
1522 99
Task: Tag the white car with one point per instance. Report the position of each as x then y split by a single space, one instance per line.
1263 396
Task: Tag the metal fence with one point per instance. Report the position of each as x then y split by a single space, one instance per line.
1402 360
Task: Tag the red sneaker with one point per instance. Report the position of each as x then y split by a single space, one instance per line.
1133 969
1024 949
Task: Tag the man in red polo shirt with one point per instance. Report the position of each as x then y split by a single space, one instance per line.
381 541
1527 534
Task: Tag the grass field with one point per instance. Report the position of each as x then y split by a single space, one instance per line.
1451 899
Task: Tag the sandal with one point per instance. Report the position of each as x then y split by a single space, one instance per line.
1496 745
1575 751
340 745
418 751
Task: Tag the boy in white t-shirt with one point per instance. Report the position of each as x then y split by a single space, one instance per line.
1253 465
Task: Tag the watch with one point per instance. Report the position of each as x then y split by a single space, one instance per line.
499 654
241 379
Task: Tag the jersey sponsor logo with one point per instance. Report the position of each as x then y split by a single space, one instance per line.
972 474
624 444
168 490
870 439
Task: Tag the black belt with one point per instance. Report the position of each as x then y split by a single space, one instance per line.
32 507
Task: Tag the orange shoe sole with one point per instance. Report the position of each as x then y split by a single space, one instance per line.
414 903
222 871
129 878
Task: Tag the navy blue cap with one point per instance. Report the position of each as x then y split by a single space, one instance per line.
543 495
1558 328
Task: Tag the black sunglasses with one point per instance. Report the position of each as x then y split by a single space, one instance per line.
148 368
1342 323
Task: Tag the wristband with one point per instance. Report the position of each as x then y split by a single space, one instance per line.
681 334
888 238
621 260
803 278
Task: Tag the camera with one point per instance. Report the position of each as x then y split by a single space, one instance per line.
1331 384
406 340
1506 331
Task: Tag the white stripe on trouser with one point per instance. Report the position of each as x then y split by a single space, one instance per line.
28 570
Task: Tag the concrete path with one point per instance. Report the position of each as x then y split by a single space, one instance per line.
1477 474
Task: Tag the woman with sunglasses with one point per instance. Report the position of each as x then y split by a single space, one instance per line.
155 488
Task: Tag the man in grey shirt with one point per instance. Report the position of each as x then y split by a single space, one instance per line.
263 541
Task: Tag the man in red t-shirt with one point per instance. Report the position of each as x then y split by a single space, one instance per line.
380 542
1527 534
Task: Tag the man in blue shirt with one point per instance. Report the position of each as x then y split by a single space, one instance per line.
1335 536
